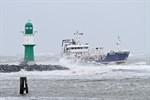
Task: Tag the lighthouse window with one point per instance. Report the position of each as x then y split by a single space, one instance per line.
30 27
26 27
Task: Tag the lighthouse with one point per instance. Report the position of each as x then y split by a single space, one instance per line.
28 44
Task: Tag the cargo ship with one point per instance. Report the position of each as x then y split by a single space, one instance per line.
76 51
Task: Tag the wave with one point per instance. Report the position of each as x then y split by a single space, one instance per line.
50 58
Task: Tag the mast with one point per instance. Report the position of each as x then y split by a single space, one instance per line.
77 35
119 44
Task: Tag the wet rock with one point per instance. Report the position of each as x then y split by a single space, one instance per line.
9 68
16 68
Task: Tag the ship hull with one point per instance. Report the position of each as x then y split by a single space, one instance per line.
117 57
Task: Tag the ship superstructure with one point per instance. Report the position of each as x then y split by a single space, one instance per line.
74 49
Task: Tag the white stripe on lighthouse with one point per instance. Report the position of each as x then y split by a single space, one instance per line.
28 39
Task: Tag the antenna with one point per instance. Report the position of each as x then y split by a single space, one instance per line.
119 44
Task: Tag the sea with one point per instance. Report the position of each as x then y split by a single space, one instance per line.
92 81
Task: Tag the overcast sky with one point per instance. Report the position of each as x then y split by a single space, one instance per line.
100 21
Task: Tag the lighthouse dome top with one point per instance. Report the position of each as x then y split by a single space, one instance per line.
28 24
28 28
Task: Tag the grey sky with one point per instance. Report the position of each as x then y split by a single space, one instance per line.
100 21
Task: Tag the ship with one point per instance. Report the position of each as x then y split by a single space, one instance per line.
76 51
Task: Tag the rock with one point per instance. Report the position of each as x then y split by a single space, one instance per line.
16 68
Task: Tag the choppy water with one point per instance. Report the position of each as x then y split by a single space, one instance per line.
82 82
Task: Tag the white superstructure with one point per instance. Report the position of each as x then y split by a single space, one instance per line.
73 48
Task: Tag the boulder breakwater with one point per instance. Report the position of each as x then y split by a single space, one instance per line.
16 68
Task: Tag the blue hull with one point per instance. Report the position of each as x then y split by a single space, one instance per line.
118 57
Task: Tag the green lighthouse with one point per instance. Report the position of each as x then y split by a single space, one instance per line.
28 44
